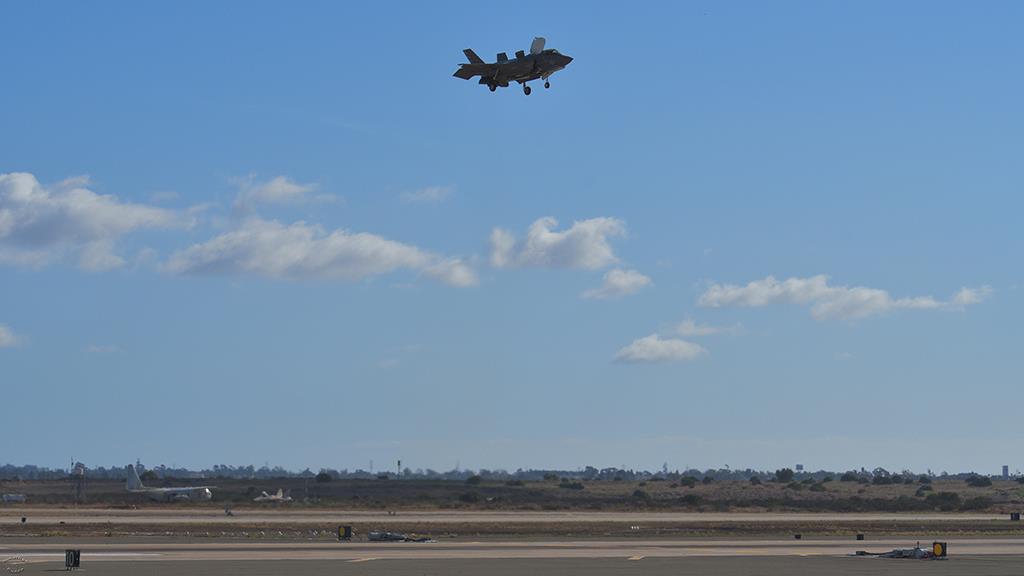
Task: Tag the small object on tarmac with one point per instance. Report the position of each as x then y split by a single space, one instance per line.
72 559
23 519
860 536
1014 516
797 536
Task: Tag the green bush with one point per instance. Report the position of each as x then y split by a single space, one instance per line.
323 477
976 503
707 480
816 488
784 475
691 500
571 485
922 479
978 481
474 480
515 482
848 477
641 495
688 481
755 481
795 486
945 501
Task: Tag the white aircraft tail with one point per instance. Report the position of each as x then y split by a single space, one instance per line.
280 493
134 482
537 46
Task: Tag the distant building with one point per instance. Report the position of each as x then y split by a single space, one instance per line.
1006 471
799 467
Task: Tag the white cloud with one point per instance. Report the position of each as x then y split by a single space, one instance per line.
654 348
618 283
279 190
828 302
969 296
7 337
306 251
584 245
41 224
690 329
428 195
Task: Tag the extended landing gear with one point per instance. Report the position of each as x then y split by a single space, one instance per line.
526 90
492 87
547 84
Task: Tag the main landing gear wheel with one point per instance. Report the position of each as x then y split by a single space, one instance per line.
547 84
526 90
492 87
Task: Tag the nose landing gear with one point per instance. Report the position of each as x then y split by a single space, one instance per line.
526 90
547 84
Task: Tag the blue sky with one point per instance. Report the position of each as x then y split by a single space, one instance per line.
742 234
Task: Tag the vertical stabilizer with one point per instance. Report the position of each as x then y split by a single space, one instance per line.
134 483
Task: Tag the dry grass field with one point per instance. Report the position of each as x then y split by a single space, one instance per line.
560 495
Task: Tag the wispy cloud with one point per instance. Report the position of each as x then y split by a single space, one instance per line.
654 348
690 329
7 337
830 302
618 283
305 251
278 190
428 195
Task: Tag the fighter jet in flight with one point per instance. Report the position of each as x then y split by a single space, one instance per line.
538 64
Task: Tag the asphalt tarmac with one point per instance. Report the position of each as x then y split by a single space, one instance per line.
718 566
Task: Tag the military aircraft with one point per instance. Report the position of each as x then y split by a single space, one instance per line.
538 64
175 494
279 497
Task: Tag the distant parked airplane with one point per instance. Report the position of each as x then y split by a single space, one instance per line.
176 494
279 497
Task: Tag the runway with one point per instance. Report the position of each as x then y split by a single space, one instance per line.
978 557
491 550
328 517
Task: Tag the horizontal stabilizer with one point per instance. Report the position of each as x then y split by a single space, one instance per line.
473 58
466 71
